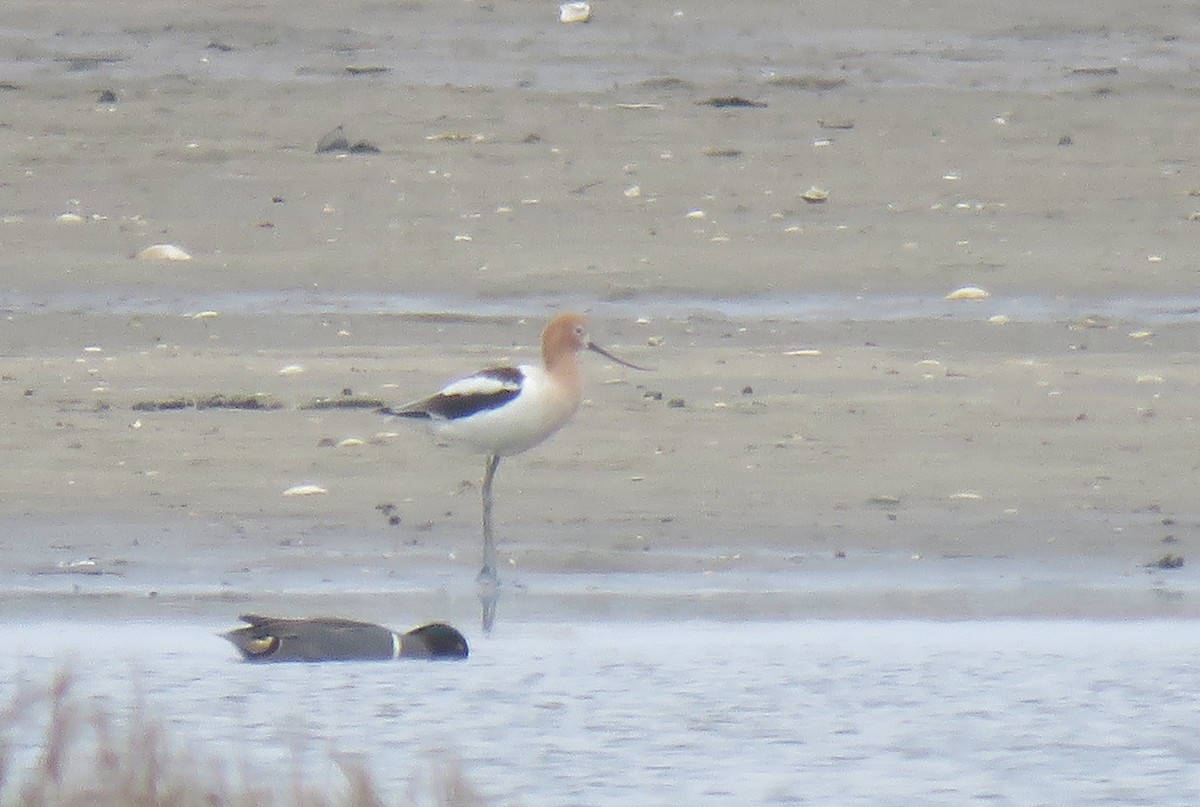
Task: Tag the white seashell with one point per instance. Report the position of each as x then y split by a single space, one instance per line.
305 490
206 315
291 369
70 218
967 495
574 12
696 214
1139 335
814 195
968 293
163 252
1149 378
1000 319
351 442
633 192
807 353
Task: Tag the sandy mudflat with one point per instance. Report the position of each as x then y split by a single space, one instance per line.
832 401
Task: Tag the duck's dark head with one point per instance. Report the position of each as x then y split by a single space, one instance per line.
436 640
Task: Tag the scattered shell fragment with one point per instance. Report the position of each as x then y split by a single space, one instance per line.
807 352
574 12
455 137
206 315
336 142
1140 335
968 293
633 192
1149 378
967 495
1167 561
70 218
305 490
351 442
1092 321
1000 319
815 195
163 252
291 369
696 214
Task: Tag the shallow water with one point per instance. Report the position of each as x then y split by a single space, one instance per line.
479 48
829 307
798 712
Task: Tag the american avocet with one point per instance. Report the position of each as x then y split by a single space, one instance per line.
266 638
502 411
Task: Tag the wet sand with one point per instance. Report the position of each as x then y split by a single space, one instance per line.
839 419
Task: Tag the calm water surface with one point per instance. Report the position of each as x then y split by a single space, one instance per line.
648 713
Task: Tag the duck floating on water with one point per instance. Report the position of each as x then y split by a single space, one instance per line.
271 639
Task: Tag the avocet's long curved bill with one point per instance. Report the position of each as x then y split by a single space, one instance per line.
592 346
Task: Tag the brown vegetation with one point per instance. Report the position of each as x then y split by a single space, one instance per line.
86 755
